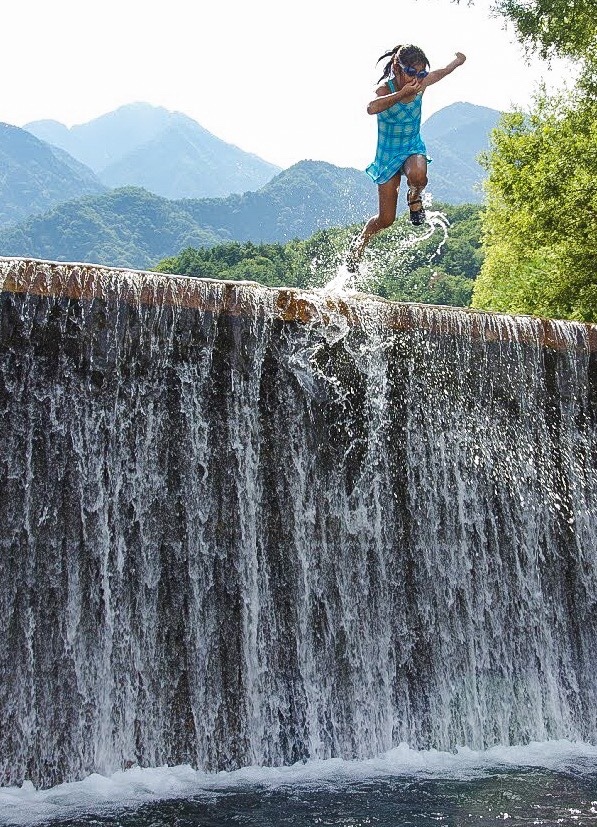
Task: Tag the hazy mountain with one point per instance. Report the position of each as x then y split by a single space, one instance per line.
35 176
133 228
187 161
165 152
454 137
52 132
171 155
308 196
105 140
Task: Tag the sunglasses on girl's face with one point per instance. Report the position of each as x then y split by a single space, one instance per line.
412 72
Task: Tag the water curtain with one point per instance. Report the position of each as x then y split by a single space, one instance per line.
246 526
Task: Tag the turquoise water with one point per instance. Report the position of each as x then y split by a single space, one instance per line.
543 784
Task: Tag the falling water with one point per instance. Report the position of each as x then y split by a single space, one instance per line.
244 526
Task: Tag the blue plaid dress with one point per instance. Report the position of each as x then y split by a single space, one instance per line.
398 137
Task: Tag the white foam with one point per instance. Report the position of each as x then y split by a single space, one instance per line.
136 786
342 284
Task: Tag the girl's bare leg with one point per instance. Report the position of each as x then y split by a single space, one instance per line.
388 202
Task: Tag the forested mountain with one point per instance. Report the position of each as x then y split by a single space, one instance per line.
164 152
308 196
131 227
135 228
127 227
35 176
455 136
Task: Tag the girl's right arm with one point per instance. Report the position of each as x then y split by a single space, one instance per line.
384 99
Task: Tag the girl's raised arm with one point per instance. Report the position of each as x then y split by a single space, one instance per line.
438 74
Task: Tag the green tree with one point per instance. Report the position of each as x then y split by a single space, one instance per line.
563 27
540 228
567 28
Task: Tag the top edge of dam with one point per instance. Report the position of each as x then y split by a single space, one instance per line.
79 281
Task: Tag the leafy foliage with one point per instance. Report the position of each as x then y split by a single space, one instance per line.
567 28
540 228
563 27
395 267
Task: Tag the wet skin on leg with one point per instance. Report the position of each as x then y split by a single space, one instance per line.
388 202
415 169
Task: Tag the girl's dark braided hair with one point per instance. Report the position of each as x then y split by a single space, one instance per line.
407 55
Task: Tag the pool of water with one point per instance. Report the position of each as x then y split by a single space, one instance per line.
542 784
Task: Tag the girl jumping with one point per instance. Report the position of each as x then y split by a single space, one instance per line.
400 148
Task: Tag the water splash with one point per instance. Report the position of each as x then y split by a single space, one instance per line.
343 282
398 252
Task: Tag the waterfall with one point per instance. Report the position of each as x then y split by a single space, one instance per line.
246 526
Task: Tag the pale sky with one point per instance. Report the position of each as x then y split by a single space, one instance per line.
287 81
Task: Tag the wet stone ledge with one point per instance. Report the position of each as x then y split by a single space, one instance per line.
89 282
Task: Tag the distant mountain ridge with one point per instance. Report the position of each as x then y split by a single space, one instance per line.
34 176
164 152
103 140
455 136
172 155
